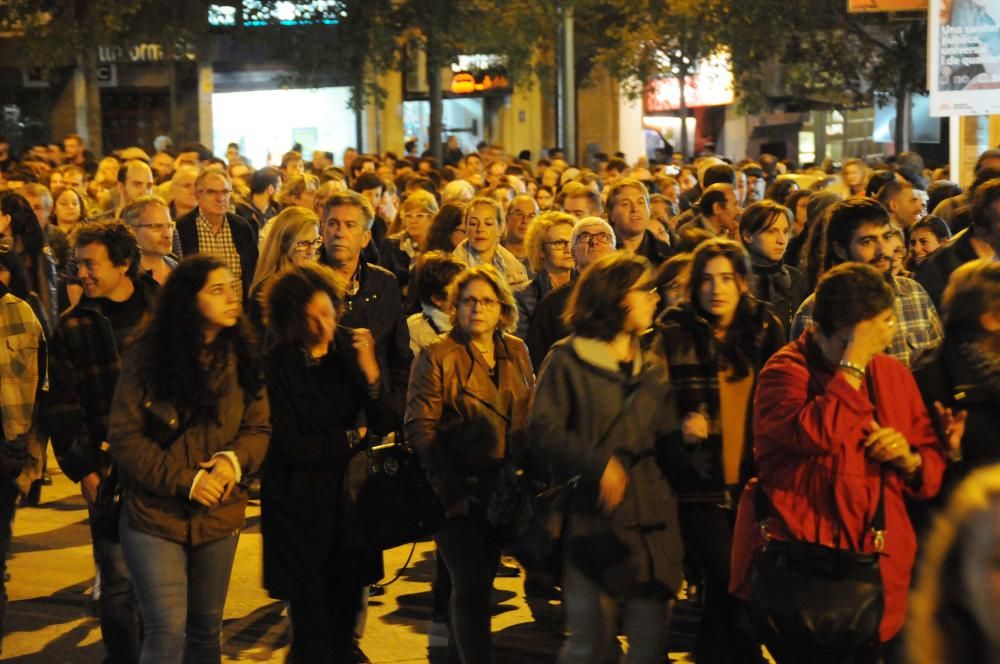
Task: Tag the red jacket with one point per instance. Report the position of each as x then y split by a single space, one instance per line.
809 423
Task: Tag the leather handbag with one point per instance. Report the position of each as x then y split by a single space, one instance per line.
806 597
389 499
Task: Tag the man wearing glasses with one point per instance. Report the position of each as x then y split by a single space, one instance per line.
592 238
211 228
149 218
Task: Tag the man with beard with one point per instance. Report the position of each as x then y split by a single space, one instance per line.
859 231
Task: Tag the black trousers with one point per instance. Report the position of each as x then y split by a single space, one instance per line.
723 634
323 629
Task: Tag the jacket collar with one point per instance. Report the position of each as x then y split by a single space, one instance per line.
598 354
143 283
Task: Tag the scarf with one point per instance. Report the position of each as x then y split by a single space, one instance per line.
773 280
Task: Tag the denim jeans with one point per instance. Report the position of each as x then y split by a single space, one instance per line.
182 592
119 613
471 551
592 623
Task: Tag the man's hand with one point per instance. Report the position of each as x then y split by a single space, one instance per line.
953 426
221 468
614 481
89 486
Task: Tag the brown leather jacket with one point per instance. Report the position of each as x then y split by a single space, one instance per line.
457 418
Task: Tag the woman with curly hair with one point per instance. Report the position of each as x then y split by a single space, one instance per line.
318 389
188 426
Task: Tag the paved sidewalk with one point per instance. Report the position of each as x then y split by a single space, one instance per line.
51 571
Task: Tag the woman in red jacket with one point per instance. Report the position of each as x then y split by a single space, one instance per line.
822 442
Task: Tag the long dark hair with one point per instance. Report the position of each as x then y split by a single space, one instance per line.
448 218
174 362
24 224
735 350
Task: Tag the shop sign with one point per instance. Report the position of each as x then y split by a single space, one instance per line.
466 82
710 83
860 6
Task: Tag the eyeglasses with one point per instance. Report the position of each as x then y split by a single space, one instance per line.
475 302
159 228
558 245
592 239
215 192
304 245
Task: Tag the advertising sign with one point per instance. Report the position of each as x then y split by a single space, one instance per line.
886 5
963 57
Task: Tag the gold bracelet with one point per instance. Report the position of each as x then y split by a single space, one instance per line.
852 368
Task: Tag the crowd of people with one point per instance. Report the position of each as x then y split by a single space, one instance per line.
718 364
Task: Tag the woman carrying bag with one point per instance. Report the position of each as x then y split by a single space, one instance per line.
823 546
188 425
466 408
600 409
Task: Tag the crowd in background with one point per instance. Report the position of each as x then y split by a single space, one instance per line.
688 344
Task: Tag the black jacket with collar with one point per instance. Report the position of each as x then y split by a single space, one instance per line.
934 272
378 306
244 238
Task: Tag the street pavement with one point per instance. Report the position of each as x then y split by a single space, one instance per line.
50 619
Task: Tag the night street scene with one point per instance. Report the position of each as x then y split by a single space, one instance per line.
499 331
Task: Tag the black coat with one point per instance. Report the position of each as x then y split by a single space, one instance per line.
244 238
378 306
934 272
783 287
313 405
547 326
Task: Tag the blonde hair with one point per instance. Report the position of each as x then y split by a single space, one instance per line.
420 200
538 230
490 275
942 626
296 186
279 245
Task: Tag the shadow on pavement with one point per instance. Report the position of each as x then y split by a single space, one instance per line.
256 636
66 605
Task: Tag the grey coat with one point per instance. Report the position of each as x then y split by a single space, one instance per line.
575 422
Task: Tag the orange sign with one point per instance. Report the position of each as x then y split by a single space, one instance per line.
886 5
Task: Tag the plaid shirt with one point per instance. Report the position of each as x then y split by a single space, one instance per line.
219 244
918 328
85 364
22 364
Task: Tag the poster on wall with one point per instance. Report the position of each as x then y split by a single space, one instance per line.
963 57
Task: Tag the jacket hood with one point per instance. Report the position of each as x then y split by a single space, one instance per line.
599 355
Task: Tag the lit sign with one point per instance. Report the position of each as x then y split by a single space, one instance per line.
464 82
710 83
257 13
886 5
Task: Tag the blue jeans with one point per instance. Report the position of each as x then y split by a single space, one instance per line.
182 592
120 622
592 623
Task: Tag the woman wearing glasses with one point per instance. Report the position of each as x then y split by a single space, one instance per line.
149 219
408 237
467 400
550 258
715 346
294 239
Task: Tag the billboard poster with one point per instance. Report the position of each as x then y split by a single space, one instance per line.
963 57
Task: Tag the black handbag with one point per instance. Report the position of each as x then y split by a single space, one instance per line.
806 597
389 499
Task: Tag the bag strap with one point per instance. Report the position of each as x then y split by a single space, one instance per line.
878 521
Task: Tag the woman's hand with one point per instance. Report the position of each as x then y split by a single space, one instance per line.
614 481
221 468
694 429
886 445
869 338
953 426
364 346
208 490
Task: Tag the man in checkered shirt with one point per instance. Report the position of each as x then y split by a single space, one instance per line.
858 230
211 228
